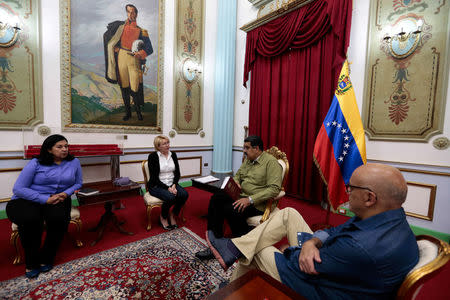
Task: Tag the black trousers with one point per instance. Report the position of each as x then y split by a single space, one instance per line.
170 199
29 216
221 209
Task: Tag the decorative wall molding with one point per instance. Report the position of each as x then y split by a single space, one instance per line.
404 163
21 104
188 65
424 172
406 78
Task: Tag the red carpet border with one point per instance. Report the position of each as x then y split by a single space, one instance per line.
159 267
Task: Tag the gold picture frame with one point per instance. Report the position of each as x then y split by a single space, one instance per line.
417 193
90 102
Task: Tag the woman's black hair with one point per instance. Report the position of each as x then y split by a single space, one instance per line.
45 157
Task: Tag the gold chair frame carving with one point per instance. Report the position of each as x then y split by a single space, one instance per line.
14 240
417 277
272 203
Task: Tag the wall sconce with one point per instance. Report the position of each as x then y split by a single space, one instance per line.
9 29
402 35
190 70
404 38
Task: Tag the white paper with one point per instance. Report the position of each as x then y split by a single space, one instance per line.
225 181
207 179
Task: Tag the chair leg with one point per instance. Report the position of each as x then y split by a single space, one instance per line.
182 215
14 242
77 222
149 217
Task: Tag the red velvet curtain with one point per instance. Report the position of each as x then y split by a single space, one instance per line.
294 62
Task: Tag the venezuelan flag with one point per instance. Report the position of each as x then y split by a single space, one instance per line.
340 146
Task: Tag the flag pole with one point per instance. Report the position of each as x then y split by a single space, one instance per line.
320 226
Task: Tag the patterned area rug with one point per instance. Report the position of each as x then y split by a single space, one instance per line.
159 267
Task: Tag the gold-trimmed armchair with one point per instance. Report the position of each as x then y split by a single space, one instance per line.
74 219
149 200
433 255
272 204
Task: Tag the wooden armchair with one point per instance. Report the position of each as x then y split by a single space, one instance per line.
272 204
433 255
74 219
151 201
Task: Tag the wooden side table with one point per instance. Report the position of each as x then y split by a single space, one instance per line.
255 284
108 193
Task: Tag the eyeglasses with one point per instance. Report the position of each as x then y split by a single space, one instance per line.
349 188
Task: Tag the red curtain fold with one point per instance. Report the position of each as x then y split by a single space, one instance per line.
295 61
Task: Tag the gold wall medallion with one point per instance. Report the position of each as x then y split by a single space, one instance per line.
441 143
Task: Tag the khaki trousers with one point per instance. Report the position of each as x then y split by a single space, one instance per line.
129 70
257 245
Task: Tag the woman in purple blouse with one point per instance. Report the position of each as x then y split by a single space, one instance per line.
42 193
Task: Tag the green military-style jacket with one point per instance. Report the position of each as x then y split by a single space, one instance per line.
260 179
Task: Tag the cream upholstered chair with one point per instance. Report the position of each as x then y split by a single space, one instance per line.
433 255
272 204
151 201
74 219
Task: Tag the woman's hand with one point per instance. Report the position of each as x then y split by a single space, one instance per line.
53 199
56 198
173 189
63 196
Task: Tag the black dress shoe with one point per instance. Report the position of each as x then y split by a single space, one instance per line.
32 274
204 254
45 268
223 284
168 227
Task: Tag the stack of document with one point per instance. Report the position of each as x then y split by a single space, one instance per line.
88 191
207 179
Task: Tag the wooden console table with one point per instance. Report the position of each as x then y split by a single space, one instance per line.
108 193
255 284
83 150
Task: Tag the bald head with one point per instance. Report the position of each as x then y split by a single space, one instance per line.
385 181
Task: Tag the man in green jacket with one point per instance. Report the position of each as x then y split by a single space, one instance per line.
260 180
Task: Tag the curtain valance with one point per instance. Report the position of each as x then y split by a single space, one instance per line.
300 28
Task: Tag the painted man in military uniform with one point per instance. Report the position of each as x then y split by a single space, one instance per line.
123 65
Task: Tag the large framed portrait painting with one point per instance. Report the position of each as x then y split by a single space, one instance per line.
112 65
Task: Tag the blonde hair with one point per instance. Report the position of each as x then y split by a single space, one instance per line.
158 140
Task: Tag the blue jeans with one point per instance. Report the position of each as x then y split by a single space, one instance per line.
169 199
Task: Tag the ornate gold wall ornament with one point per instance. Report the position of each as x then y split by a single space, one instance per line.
441 143
9 31
172 133
201 134
44 130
